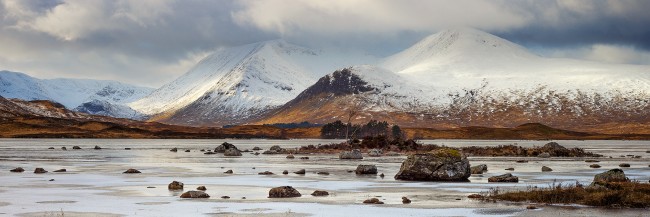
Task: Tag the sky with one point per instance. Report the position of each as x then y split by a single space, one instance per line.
152 42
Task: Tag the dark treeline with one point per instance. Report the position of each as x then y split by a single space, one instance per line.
374 128
303 124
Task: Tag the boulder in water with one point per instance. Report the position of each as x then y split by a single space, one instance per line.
40 170
175 185
354 154
504 178
445 164
366 169
613 175
478 169
195 194
283 192
132 171
17 170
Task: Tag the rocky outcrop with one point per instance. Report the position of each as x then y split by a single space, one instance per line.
445 164
283 192
478 169
354 154
366 169
175 185
613 175
232 152
508 177
40 170
132 171
17 170
318 193
195 194
223 147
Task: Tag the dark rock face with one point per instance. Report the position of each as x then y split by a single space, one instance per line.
320 193
354 154
405 200
195 194
132 171
223 147
17 170
373 200
478 169
283 192
441 165
504 178
366 169
40 170
232 152
613 175
175 185
546 169
300 172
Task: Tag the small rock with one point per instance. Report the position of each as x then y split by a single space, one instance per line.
243 198
511 169
350 171
256 148
637 156
624 165
64 148
40 170
354 154
320 193
50 148
594 166
531 207
127 148
175 186
546 169
225 197
544 155
283 192
592 161
381 175
522 161
300 172
151 187
98 148
290 156
187 150
374 153
76 147
373 200
209 152
257 153
130 171
202 150
51 180
323 173
475 196
232 152
195 194
265 173
405 200
201 188
60 170
17 170
174 150
478 169
366 169
285 172
504 178
228 172
304 158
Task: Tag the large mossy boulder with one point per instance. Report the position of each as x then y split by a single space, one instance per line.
444 164
613 175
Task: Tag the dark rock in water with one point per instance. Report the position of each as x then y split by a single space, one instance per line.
304 158
187 150
354 154
132 171
276 149
478 169
127 148
224 146
531 207
323 173
195 194
350 171
504 178
594 166
202 150
592 161
544 155
381 175
51 180
233 152
373 200
151 187
366 169
265 173
290 156
613 175
60 171
209 152
300 172
285 172
175 186
174 150
256 153
546 169
98 148
511 169
374 153
64 148
229 172
556 150
201 188
256 148
405 200
475 196
17 170
624 165
445 164
522 161
225 197
50 148
76 147
283 192
40 170
320 193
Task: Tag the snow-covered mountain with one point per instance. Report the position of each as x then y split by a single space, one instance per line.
75 93
235 84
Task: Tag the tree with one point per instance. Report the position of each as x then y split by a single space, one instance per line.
397 133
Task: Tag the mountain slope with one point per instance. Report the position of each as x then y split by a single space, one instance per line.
235 84
73 93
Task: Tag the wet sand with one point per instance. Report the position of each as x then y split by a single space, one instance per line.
95 186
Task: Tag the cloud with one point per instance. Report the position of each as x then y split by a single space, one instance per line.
604 53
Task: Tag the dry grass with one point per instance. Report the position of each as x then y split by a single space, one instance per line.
615 195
